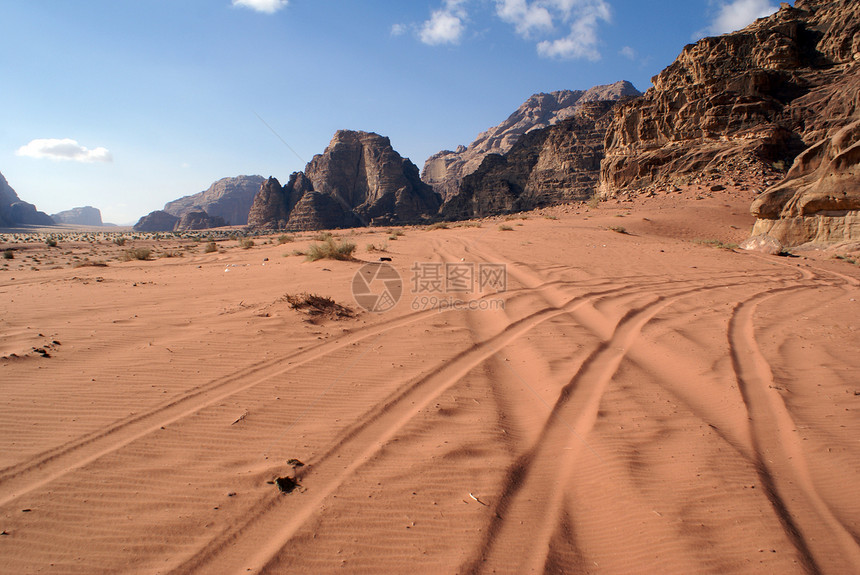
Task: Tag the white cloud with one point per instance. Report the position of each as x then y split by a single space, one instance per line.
445 26
628 52
398 29
267 6
64 149
738 14
525 17
539 20
584 18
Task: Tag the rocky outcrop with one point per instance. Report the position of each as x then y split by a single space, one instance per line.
83 216
157 221
549 166
819 200
445 170
358 180
198 220
228 198
745 103
15 212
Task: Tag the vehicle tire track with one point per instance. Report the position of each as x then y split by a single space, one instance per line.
781 464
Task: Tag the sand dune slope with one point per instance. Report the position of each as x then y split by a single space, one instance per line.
631 403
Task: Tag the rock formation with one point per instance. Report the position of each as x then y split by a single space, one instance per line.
84 216
358 180
157 221
228 198
557 164
445 170
819 199
745 102
198 220
14 212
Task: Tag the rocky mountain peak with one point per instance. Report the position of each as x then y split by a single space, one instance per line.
445 170
358 180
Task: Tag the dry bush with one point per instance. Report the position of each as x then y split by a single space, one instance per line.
330 250
317 305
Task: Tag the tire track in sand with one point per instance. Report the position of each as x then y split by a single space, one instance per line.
824 544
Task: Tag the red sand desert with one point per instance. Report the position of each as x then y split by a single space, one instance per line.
637 400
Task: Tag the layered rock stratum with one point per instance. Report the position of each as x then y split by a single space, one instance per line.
359 180
228 198
82 216
748 103
445 170
548 166
15 212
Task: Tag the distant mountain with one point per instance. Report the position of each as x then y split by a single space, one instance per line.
547 166
84 216
445 170
359 180
228 198
15 212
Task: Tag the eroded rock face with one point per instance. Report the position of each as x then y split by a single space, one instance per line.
83 216
742 100
15 212
228 198
157 221
198 220
359 180
445 170
549 166
819 199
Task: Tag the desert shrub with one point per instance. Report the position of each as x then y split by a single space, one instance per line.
284 239
8 254
119 241
593 201
322 236
394 234
374 248
504 228
142 254
51 242
438 226
330 250
716 244
318 305
210 247
618 229
246 243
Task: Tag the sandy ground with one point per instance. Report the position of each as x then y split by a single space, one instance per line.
636 402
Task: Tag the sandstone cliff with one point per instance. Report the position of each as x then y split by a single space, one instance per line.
198 220
15 212
358 180
741 103
157 221
445 170
557 164
83 216
228 198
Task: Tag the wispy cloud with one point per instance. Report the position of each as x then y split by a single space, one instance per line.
266 6
63 149
565 29
446 25
399 29
584 18
628 52
731 16
526 18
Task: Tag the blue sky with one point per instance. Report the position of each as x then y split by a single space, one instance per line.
125 105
